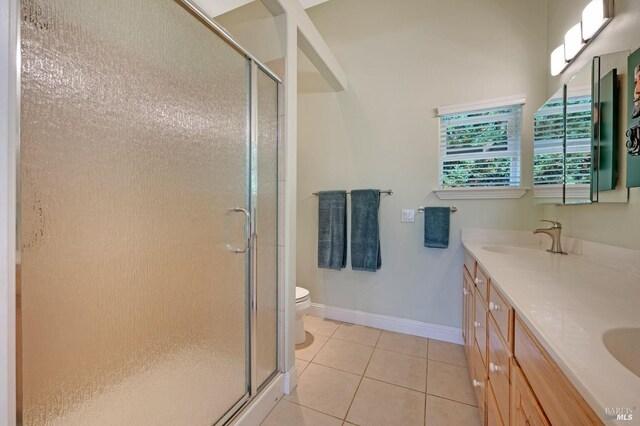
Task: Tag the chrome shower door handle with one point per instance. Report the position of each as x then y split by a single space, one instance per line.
247 230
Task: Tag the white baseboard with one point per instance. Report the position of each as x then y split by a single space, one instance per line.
290 380
400 325
262 405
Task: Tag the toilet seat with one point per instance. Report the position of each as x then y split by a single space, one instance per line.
302 294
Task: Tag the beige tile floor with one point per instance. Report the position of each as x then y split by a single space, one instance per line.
355 375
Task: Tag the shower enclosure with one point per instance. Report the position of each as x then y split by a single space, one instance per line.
148 213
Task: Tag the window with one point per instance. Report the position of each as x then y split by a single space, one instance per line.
481 147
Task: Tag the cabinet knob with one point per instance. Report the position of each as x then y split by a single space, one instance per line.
476 324
477 280
494 306
493 367
465 291
476 383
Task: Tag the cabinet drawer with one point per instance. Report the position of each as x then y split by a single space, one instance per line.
470 264
494 418
481 281
479 380
525 409
560 401
499 359
502 313
480 325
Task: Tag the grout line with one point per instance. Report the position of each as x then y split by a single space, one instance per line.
315 409
351 341
313 357
321 318
394 384
339 369
401 353
368 377
364 326
452 400
448 363
363 375
305 367
361 378
404 353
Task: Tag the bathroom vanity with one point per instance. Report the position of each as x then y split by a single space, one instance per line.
550 338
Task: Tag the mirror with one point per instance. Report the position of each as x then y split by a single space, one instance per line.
548 151
578 173
612 165
579 139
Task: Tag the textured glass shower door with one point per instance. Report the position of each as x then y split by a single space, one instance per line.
134 170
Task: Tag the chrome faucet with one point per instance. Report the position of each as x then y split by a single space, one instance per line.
554 232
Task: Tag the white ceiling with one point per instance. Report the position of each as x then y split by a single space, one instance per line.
217 7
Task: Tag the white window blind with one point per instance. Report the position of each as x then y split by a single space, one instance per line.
481 148
578 162
550 165
548 144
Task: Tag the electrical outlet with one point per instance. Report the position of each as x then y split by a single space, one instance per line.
408 215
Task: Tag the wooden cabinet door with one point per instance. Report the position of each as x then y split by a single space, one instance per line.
480 325
467 312
498 365
525 410
562 403
494 416
470 264
479 380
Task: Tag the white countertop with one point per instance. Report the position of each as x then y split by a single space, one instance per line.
569 302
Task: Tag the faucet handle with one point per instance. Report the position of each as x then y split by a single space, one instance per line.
554 224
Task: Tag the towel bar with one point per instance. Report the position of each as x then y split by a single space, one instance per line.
453 209
386 191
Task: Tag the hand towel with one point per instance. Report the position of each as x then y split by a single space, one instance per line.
332 229
365 230
436 227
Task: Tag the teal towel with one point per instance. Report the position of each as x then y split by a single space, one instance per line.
365 230
436 227
332 229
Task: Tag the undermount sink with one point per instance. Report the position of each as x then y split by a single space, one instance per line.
624 345
524 259
513 250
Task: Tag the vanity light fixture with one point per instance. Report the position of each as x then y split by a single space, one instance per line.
595 16
558 62
573 43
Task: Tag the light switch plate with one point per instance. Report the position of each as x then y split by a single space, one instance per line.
408 215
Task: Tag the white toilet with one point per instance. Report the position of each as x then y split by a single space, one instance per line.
303 303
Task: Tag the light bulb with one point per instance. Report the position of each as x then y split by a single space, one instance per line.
558 63
593 18
573 42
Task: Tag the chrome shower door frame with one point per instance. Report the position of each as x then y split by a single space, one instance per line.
9 189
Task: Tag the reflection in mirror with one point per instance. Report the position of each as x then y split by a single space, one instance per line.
578 135
548 150
579 142
612 168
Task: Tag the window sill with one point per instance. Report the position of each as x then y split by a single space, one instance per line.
490 193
